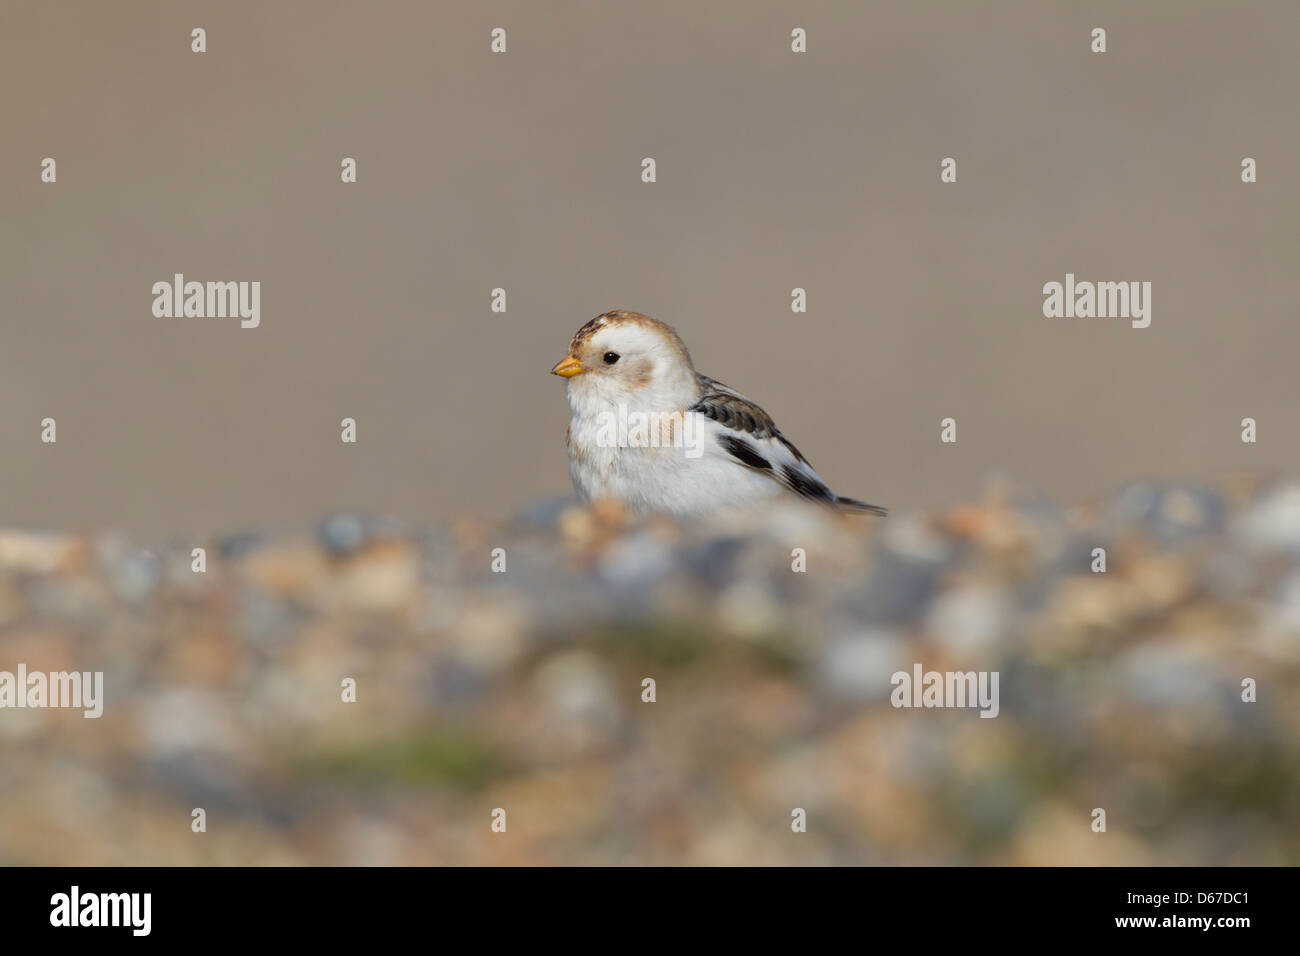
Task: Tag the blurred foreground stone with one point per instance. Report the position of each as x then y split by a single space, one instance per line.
522 690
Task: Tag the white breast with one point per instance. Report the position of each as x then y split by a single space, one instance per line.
687 479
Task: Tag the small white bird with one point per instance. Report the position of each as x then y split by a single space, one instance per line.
655 435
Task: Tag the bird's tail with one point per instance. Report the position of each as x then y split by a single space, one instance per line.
854 506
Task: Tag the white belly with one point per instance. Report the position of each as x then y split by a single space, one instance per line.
669 479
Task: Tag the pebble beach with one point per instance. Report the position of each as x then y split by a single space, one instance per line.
380 693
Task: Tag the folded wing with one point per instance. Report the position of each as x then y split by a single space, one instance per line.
746 433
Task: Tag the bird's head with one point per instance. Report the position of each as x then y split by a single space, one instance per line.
627 357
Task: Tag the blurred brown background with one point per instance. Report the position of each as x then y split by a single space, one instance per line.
522 171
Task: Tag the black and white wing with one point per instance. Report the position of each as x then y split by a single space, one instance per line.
746 433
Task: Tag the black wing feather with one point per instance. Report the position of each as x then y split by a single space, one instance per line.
729 408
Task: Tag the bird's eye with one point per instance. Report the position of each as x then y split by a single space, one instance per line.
611 358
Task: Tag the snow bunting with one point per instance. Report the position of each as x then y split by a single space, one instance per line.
657 436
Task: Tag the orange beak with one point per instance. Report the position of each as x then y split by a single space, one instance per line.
567 367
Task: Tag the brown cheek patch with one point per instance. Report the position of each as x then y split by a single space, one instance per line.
640 373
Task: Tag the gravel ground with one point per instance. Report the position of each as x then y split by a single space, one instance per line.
522 690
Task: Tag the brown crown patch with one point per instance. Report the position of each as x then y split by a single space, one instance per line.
624 317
